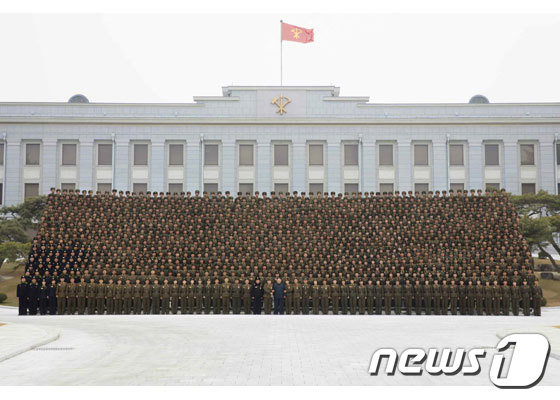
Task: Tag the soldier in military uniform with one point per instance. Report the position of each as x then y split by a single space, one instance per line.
479 296
488 299
362 297
71 293
353 296
165 297
428 295
496 298
526 298
174 291
110 296
370 293
207 296
216 297
388 297
397 294
156 297
60 297
315 295
199 296
137 297
418 298
453 296
344 295
462 292
515 296
81 296
236 296
128 291
23 296
445 292
267 299
33 297
225 296
437 297
537 298
472 293
43 297
146 296
506 297
119 295
408 291
298 293
246 291
289 297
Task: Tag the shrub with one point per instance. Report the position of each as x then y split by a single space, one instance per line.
3 297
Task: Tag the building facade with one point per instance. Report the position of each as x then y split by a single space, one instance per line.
304 139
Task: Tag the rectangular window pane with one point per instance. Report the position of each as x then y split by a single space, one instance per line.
211 188
457 187
68 187
557 153
456 154
420 154
69 154
351 154
104 154
386 187
175 188
211 154
493 186
140 188
245 188
175 154
421 187
140 154
315 154
527 154
31 190
1 153
104 187
281 188
527 188
386 154
280 154
315 188
246 154
32 153
351 188
1 193
491 154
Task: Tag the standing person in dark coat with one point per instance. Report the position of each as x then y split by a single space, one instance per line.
257 293
52 298
279 290
23 296
43 297
33 294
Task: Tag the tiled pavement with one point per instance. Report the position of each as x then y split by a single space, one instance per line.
250 350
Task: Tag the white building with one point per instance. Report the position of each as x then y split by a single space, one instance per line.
277 138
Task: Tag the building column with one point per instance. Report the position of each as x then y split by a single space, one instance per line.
13 187
547 165
440 167
333 169
511 167
475 164
194 165
157 166
264 167
404 166
86 165
299 166
229 167
122 165
49 164
368 169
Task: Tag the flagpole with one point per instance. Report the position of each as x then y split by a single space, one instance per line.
280 52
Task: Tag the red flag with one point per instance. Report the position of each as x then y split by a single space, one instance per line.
296 33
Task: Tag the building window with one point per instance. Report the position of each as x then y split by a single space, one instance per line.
1 153
421 187
69 154
176 154
315 154
32 153
245 188
351 188
281 155
104 187
491 154
456 154
386 154
175 188
528 188
315 188
351 156
211 187
527 154
1 193
104 154
31 190
557 153
139 188
386 187
68 187
140 154
211 154
457 187
246 155
493 186
281 188
420 154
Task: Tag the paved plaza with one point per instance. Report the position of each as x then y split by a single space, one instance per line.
248 350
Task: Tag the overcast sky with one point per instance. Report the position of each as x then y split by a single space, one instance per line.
170 58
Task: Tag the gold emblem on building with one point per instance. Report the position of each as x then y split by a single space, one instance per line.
281 102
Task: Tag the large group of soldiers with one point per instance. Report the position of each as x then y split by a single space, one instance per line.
373 253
